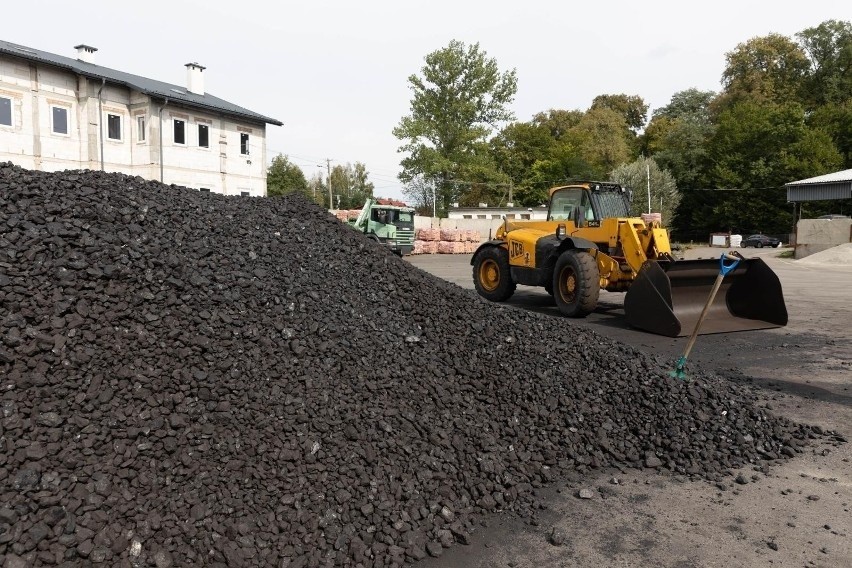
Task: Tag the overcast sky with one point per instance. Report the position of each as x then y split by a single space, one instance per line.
335 71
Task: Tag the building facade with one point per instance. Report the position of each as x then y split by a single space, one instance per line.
61 113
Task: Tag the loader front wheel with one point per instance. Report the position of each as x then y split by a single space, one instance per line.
576 283
491 275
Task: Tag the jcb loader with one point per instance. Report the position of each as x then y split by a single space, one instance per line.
589 243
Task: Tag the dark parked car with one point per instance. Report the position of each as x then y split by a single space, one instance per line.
760 241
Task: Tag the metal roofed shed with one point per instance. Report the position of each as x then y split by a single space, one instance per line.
837 185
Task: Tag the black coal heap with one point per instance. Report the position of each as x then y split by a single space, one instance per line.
195 379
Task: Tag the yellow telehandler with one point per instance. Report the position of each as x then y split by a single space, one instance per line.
589 243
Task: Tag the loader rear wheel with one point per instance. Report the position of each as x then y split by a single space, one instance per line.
576 283
491 275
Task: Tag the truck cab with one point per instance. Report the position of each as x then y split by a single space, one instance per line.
392 225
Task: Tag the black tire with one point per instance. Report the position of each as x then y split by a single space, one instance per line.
491 275
759 245
576 283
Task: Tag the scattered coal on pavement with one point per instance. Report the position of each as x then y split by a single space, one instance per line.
196 379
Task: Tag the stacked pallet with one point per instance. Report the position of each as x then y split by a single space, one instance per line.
446 241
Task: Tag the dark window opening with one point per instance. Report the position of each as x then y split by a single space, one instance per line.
204 190
140 124
244 144
203 136
245 193
60 120
180 133
114 127
5 111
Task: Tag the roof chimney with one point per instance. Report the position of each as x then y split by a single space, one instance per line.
195 78
86 53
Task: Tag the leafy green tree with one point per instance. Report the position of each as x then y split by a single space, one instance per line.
691 103
283 177
457 102
758 148
835 119
771 69
603 140
676 137
631 107
350 185
643 175
319 190
829 48
558 122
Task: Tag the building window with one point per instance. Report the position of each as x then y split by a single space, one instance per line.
180 132
244 144
204 189
59 119
140 128
203 136
5 111
113 127
245 194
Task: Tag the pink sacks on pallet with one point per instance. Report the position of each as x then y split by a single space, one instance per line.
428 234
451 247
451 235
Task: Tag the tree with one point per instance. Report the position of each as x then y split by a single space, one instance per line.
665 197
677 135
350 185
770 69
558 122
631 107
829 49
457 102
691 103
836 121
420 192
284 177
603 140
758 148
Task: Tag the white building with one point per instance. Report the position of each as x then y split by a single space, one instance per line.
60 113
485 212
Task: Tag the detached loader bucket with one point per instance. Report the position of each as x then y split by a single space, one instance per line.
667 297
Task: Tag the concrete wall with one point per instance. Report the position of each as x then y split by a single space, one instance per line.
815 235
31 143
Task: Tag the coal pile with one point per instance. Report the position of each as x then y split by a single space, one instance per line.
191 379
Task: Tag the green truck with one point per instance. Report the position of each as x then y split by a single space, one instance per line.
388 222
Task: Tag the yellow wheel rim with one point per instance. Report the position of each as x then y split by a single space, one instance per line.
489 275
567 284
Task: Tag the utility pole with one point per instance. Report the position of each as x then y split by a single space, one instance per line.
648 170
328 169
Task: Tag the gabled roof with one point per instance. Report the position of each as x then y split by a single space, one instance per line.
841 176
150 87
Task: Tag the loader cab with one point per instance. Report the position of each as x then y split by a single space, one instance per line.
571 204
588 203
